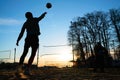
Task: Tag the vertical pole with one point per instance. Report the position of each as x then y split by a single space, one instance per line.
38 57
14 55
10 54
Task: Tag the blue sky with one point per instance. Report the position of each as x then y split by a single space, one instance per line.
54 26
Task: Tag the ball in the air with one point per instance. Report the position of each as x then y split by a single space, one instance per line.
48 5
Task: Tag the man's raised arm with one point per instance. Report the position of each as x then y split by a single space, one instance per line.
42 16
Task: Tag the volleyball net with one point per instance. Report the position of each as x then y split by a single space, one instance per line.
5 55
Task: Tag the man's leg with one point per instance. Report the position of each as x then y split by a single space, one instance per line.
25 51
34 46
102 64
27 70
34 50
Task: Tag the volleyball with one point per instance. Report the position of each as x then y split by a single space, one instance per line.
48 5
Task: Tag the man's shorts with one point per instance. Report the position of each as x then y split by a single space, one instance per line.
32 41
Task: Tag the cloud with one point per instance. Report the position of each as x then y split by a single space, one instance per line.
9 21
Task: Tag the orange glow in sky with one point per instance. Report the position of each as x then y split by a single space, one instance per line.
60 59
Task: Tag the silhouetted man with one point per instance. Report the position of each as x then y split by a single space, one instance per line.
32 40
100 53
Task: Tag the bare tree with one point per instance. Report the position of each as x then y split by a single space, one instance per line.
97 26
115 21
74 38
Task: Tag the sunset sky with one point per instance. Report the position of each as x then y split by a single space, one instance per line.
53 27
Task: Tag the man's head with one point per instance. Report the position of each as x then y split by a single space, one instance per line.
99 44
28 15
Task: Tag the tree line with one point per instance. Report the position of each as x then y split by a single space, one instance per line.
98 26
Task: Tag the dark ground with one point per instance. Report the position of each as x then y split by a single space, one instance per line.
64 74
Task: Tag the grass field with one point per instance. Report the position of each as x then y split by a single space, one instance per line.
64 74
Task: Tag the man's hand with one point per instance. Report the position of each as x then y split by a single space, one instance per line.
17 43
45 12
